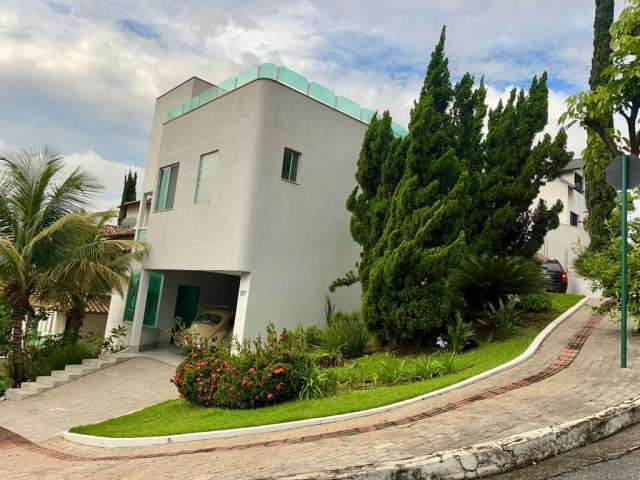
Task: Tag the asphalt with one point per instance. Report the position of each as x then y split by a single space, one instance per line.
614 458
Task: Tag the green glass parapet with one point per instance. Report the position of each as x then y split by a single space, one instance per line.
287 77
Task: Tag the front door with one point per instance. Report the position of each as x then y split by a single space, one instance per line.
187 303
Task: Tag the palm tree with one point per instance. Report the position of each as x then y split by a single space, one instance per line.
41 211
93 266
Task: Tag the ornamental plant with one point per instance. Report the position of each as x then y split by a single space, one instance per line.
257 375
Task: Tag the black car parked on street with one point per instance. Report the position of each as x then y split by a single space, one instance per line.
555 277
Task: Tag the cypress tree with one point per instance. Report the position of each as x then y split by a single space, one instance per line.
407 296
128 192
509 176
600 197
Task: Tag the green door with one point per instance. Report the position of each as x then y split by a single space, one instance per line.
187 303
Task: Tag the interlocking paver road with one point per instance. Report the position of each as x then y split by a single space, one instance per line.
579 380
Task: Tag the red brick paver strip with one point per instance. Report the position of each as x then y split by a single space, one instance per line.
560 363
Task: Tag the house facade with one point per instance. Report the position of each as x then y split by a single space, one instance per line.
565 242
244 193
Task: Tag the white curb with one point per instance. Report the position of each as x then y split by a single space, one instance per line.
490 458
111 442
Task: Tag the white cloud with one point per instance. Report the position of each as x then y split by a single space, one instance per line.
109 173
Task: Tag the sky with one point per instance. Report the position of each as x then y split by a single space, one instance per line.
83 75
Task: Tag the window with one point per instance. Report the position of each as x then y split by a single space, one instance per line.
578 183
132 295
290 162
573 219
204 182
166 192
153 299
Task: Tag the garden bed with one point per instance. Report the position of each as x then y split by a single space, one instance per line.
178 417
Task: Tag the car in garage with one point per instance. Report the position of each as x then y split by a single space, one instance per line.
214 323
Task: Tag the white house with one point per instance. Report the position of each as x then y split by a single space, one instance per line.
244 193
564 243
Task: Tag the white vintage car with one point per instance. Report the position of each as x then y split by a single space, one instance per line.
214 323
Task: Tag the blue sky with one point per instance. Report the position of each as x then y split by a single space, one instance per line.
83 75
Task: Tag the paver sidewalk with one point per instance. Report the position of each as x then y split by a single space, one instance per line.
590 383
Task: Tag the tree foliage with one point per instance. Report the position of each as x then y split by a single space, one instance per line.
128 193
40 212
412 209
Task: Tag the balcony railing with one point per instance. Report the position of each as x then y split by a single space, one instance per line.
291 79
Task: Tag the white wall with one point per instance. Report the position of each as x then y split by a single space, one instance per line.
293 239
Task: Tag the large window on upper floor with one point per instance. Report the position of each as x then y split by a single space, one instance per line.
166 190
204 182
578 182
290 162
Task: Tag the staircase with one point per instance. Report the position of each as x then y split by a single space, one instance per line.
59 377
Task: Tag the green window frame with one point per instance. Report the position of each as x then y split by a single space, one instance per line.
154 294
132 295
290 164
166 191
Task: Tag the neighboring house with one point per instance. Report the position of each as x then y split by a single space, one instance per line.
564 243
95 321
244 192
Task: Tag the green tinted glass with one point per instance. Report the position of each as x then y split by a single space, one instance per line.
163 187
268 70
367 115
293 79
207 96
171 191
132 295
229 84
293 175
322 93
398 130
153 299
286 163
348 106
247 75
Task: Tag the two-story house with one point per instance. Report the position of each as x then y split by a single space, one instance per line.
244 204
564 243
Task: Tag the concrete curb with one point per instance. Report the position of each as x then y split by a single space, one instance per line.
114 442
491 458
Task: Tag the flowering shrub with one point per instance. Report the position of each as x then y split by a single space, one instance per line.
268 373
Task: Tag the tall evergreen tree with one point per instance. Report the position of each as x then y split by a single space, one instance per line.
407 295
508 177
376 179
600 197
128 192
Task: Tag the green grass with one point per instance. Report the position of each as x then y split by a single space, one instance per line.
177 416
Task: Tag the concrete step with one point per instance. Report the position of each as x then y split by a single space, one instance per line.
51 381
67 375
93 363
111 358
34 387
80 369
18 394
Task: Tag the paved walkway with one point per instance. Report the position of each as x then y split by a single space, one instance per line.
574 374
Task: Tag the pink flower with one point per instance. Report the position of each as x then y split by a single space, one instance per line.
280 386
278 370
245 381
252 370
269 396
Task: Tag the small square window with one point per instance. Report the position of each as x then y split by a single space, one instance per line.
574 219
290 161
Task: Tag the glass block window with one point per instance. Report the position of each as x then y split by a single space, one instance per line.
204 182
290 162
166 191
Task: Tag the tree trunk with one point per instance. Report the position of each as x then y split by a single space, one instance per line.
74 322
17 360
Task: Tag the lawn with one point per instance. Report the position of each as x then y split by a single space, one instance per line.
177 416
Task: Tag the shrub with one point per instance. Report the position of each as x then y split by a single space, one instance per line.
268 373
486 279
53 353
6 326
347 334
502 319
535 302
316 381
460 334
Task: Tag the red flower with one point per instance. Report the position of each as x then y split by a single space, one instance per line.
252 370
280 386
245 381
278 370
257 397
269 396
